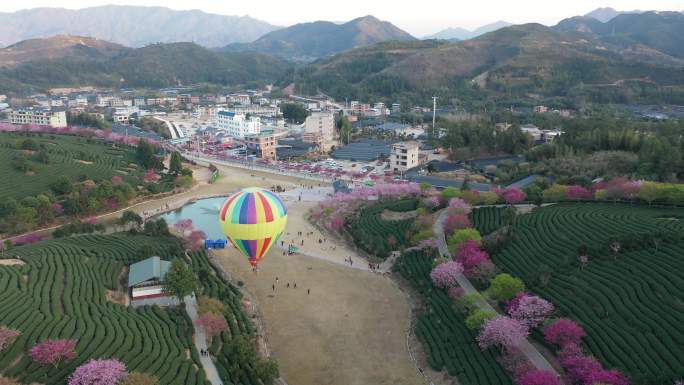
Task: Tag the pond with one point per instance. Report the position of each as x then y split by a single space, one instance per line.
204 216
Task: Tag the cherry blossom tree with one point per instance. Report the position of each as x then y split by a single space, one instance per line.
531 310
116 180
445 275
99 372
563 332
183 225
7 336
53 352
502 331
57 208
456 221
538 377
212 324
460 206
151 176
471 255
195 240
513 195
577 193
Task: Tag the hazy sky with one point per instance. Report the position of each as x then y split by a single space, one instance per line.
417 17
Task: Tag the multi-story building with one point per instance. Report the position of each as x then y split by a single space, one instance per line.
322 126
541 109
262 145
404 156
237 125
108 101
123 114
39 116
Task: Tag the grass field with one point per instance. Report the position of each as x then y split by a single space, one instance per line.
631 304
61 293
70 156
441 328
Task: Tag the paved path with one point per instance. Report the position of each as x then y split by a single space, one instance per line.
526 347
201 342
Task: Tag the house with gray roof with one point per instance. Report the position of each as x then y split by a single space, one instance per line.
145 278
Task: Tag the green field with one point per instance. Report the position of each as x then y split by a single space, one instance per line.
70 156
441 328
372 234
61 293
488 219
631 304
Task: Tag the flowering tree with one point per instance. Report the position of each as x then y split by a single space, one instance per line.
116 180
577 193
455 222
538 377
195 239
7 381
57 208
151 176
513 195
7 336
99 372
502 331
445 275
471 255
183 225
456 292
531 310
563 332
27 239
460 206
212 324
53 352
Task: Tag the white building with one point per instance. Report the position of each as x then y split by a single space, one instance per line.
108 101
237 125
404 156
532 130
41 117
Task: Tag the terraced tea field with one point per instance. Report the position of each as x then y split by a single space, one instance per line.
70 156
441 328
631 304
61 293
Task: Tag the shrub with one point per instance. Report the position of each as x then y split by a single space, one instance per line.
478 318
504 287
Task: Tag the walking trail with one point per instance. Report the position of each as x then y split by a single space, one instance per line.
526 347
201 342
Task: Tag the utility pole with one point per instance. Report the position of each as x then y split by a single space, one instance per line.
434 113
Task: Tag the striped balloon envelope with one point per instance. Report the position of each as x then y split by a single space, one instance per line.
253 219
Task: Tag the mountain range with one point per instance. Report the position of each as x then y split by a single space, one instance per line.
131 26
457 33
63 60
309 41
643 59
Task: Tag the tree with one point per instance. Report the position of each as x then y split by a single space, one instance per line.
445 275
267 370
477 318
461 236
99 372
175 164
62 186
7 337
145 153
471 255
538 377
130 217
180 280
53 352
455 222
563 332
502 331
504 287
209 305
8 381
212 324
513 195
531 310
137 378
294 112
345 129
460 206
650 191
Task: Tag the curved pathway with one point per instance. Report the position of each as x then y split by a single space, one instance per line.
532 354
201 342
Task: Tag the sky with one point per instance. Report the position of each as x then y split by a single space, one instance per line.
416 17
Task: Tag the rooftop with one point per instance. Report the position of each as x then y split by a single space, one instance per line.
152 268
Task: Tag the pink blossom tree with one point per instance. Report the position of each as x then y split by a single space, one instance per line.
445 275
183 225
531 310
471 255
57 208
577 193
7 337
195 240
116 180
538 377
460 206
513 195
456 221
563 332
212 324
151 176
502 331
99 372
53 352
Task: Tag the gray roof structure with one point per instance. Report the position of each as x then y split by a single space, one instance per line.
153 268
363 150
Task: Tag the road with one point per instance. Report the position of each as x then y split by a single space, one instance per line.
532 354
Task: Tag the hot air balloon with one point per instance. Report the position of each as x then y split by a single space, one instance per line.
253 219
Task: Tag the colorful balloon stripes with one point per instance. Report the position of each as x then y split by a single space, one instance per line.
253 220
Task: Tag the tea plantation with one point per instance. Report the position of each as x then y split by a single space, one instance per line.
70 156
61 293
631 303
441 328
